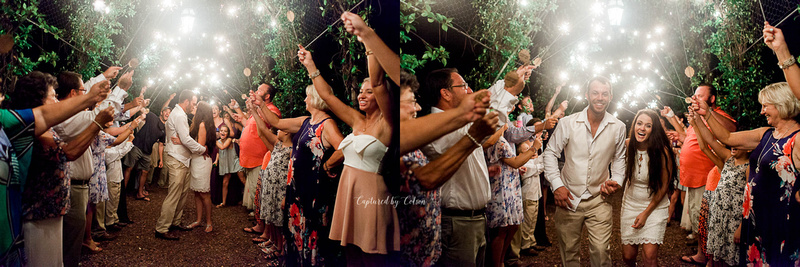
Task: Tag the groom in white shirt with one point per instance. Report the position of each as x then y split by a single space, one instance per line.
176 160
591 140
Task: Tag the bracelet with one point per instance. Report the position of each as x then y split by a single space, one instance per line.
473 140
369 52
314 74
787 63
670 114
98 124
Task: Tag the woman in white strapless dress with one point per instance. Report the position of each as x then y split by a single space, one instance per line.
364 218
204 132
645 209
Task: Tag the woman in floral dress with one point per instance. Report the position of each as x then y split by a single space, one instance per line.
769 230
311 189
504 210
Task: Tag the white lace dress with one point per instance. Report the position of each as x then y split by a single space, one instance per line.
635 200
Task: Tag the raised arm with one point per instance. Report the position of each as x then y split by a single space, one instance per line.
291 125
166 104
78 145
421 131
667 113
774 39
707 137
703 142
47 116
347 114
267 137
379 88
747 140
549 108
387 58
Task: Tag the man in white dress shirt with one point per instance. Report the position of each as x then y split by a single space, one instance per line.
464 196
591 140
176 159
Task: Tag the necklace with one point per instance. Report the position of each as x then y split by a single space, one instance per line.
771 147
639 163
367 126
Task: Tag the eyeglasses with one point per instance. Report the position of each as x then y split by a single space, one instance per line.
463 85
412 101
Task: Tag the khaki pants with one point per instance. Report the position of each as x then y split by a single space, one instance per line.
112 204
248 200
524 239
595 213
177 195
75 224
43 241
694 196
463 241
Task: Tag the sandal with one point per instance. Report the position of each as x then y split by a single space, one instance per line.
94 250
192 225
251 230
266 244
221 205
209 228
274 263
143 198
691 260
259 240
272 252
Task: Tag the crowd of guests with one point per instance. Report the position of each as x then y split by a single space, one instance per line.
471 182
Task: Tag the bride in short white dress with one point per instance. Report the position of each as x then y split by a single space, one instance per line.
635 200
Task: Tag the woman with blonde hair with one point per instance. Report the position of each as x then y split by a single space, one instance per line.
768 230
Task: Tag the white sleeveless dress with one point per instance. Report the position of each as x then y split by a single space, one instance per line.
200 172
635 200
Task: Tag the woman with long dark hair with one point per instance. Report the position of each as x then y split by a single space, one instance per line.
205 133
645 209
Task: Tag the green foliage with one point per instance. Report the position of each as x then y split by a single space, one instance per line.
506 27
23 20
92 32
743 75
410 11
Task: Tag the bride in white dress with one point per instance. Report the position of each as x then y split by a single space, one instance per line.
650 164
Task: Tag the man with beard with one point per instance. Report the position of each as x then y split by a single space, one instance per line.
591 140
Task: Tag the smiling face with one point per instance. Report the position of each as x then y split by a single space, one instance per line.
223 132
643 127
50 97
459 89
527 104
408 105
771 113
215 111
366 100
599 95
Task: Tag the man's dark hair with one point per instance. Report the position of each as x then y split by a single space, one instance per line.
185 95
272 91
437 80
600 79
712 91
30 91
67 82
408 80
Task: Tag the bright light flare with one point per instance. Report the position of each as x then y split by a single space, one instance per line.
563 76
564 28
99 5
